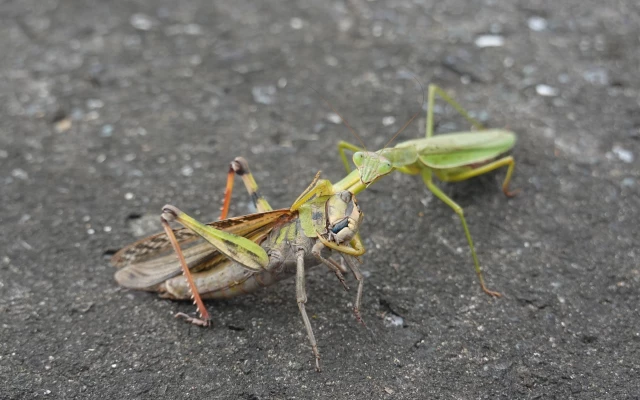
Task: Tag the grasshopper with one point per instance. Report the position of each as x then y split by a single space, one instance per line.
241 254
450 157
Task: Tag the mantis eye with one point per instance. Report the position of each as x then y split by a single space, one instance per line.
384 168
358 158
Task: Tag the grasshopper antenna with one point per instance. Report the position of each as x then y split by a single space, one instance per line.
344 121
412 118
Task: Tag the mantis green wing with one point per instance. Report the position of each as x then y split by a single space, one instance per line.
461 149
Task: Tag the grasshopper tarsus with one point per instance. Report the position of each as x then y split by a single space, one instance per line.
511 193
193 320
492 293
356 311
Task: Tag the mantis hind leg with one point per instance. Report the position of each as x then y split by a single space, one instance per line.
508 161
428 180
240 166
436 90
342 146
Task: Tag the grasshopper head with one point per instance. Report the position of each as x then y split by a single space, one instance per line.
371 166
343 216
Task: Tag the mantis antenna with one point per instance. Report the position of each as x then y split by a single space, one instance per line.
412 118
344 121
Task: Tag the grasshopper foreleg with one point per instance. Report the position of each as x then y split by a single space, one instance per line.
331 264
353 265
301 298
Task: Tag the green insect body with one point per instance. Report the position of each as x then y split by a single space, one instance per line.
450 157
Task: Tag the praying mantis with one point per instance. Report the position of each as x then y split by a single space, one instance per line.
240 255
451 157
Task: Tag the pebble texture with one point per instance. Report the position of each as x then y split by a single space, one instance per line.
112 109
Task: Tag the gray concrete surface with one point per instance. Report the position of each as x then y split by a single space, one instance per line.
112 109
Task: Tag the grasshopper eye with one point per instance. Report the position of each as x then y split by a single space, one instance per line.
358 158
340 226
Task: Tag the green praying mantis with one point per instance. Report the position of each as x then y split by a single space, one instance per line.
451 157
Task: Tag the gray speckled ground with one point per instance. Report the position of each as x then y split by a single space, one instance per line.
112 109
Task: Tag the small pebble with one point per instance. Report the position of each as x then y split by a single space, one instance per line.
334 118
106 131
19 173
63 125
331 61
95 103
192 29
628 182
187 170
141 22
546 90
597 76
489 41
296 23
386 121
537 24
623 154
264 94
393 320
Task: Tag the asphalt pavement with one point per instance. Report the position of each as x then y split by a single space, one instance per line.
109 110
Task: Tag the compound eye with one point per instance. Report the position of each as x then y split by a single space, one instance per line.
340 225
358 158
385 168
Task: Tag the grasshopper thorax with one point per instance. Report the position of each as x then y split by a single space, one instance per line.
371 166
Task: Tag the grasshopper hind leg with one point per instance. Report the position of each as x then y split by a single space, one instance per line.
205 319
239 166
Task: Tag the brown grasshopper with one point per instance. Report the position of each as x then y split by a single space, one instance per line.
241 254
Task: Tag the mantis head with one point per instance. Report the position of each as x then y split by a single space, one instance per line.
371 166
